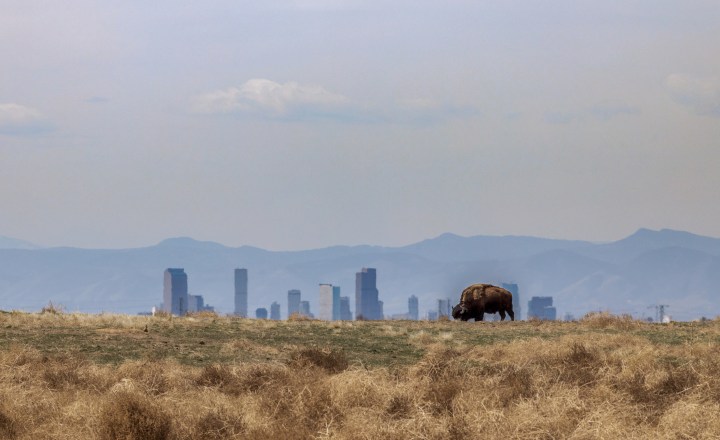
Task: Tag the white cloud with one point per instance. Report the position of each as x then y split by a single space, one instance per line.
268 98
16 119
701 95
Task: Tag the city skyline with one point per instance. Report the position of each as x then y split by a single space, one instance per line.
331 305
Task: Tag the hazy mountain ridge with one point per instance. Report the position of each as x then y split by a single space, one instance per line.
626 276
14 243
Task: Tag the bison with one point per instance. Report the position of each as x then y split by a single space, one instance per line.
478 299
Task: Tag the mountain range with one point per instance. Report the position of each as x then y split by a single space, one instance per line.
632 275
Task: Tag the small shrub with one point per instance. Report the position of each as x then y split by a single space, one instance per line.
162 314
52 309
128 416
299 317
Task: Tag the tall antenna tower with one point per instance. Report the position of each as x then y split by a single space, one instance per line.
659 312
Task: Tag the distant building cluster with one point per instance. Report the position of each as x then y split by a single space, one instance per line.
332 306
541 307
176 299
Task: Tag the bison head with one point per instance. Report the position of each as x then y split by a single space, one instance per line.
459 312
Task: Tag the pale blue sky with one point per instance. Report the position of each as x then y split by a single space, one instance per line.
300 124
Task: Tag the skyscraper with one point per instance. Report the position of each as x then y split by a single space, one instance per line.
413 311
294 297
261 313
325 302
196 303
305 309
366 295
275 311
329 302
336 303
241 292
345 313
444 308
175 292
513 288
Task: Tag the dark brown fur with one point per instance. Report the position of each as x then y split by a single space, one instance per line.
478 299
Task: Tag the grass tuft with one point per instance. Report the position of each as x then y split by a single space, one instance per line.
130 416
331 360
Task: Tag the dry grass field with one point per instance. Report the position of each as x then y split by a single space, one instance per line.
72 376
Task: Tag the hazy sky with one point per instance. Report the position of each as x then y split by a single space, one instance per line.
300 124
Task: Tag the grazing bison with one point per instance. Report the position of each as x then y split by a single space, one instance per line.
478 299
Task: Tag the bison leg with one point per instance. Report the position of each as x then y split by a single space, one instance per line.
502 315
512 315
480 316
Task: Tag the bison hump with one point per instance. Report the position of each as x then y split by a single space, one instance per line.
474 292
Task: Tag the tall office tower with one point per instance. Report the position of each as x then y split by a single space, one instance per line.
305 309
366 295
293 302
336 303
513 288
241 292
275 311
345 313
261 313
175 292
325 302
413 311
444 308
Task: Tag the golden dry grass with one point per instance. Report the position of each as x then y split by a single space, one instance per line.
604 377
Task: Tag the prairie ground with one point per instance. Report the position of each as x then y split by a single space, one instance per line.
73 376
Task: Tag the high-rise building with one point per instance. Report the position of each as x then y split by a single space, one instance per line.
329 302
175 292
261 313
196 303
294 298
325 302
305 309
413 311
275 311
540 307
444 308
345 313
241 292
367 305
336 303
513 288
